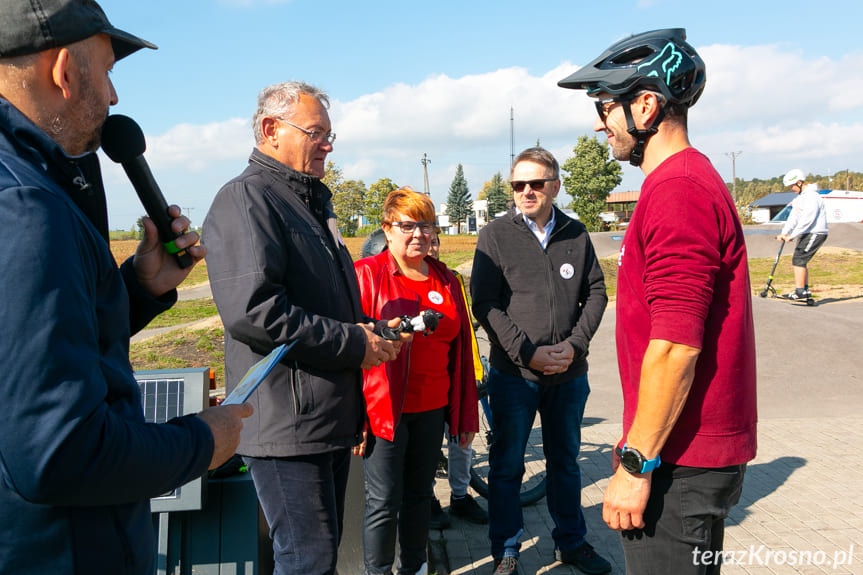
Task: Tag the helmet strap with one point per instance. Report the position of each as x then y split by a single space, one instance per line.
636 156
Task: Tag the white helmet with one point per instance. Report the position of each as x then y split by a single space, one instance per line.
792 177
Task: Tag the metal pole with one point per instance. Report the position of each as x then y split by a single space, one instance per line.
733 173
511 137
188 213
425 162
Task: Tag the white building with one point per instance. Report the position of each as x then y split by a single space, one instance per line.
475 222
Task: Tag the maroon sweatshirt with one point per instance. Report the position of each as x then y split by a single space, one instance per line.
683 277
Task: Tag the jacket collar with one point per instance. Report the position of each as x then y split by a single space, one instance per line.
302 184
560 219
78 176
36 147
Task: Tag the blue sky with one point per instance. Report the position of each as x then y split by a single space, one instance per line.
784 87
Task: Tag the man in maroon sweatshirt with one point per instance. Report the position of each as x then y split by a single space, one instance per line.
685 337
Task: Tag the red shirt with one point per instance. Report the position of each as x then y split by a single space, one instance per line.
683 277
385 386
428 377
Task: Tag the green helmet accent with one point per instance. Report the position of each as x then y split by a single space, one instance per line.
793 176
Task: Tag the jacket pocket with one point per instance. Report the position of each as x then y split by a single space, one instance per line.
301 387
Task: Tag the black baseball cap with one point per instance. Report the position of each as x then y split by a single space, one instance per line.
30 26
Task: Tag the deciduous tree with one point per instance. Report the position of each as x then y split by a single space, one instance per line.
592 175
348 198
375 199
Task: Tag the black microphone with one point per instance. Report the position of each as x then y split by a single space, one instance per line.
123 141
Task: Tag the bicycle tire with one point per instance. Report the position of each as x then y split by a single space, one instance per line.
533 486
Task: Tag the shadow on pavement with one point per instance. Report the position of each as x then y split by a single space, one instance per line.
837 299
761 480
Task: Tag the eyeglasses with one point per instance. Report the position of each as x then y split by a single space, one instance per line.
314 135
408 227
535 185
603 108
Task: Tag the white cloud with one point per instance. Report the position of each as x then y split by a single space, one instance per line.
196 147
771 85
472 108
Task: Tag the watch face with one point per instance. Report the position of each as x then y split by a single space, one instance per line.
630 461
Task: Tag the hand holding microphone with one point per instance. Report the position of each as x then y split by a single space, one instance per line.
123 142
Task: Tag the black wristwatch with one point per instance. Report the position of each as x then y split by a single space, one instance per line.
634 462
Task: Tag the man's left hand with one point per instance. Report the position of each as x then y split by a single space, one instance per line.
157 270
625 500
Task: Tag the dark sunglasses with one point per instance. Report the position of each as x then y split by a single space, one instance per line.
604 107
535 185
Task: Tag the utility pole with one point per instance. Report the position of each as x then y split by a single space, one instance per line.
511 137
733 156
425 162
188 212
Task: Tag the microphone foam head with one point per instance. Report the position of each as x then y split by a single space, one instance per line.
122 138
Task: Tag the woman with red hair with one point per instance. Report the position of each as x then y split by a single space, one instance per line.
408 399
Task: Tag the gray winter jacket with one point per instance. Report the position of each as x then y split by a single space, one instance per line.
526 296
278 275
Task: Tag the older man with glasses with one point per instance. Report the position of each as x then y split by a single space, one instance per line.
539 293
281 273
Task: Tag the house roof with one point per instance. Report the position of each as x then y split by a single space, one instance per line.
623 197
772 200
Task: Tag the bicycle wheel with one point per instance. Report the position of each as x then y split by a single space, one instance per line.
533 481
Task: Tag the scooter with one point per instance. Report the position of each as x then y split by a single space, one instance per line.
772 290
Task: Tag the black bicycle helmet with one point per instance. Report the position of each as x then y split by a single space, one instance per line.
657 60
375 243
660 59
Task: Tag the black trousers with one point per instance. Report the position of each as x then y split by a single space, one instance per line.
684 518
399 476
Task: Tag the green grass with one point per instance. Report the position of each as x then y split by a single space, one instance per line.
182 349
198 275
829 268
609 270
186 311
118 235
456 258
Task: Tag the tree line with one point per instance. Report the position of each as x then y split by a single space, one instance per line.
750 190
588 177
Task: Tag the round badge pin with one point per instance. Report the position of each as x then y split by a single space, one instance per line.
435 298
567 271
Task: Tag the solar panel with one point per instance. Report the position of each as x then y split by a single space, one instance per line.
166 394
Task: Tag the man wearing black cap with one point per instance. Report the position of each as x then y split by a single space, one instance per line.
685 338
78 462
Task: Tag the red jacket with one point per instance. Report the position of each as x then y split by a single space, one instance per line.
384 386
